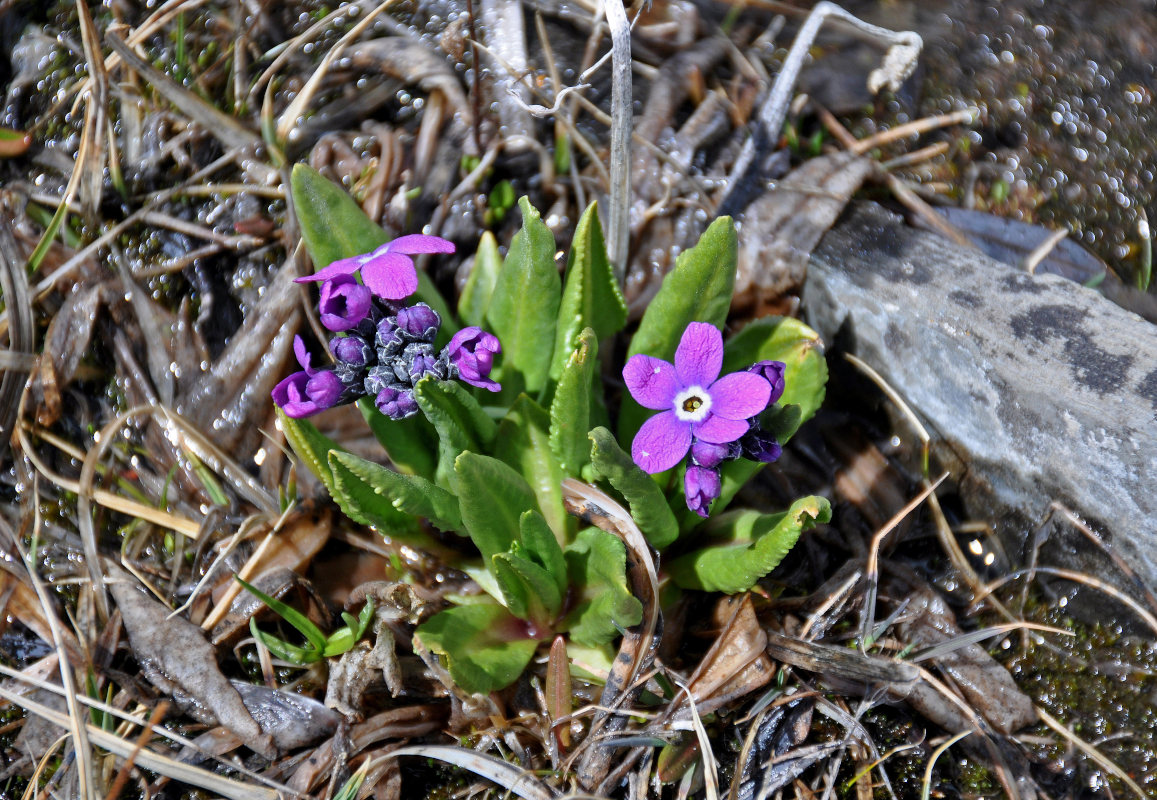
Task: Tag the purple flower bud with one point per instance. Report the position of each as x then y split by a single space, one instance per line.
706 454
772 372
701 486
389 338
301 394
471 353
396 403
760 445
380 378
419 322
352 350
344 303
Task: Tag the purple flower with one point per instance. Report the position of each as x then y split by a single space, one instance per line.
307 392
344 303
396 403
701 486
471 352
388 271
419 321
692 401
772 372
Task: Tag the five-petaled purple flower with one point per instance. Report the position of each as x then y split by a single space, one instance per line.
310 391
471 353
694 404
389 271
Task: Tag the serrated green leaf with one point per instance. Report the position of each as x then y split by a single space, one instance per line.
459 420
592 298
523 442
523 310
311 445
753 545
542 547
697 290
408 494
334 226
365 502
492 497
531 592
485 646
570 409
480 284
797 346
596 563
649 507
411 444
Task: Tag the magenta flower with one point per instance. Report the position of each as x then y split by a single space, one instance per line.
310 391
701 485
471 351
389 271
344 303
692 401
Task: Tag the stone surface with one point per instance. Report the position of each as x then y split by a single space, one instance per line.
1034 388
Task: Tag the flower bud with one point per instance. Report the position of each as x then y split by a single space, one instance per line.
352 350
396 403
471 353
706 454
419 321
759 445
701 486
772 372
344 303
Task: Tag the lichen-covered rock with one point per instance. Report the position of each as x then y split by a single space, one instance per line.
1035 389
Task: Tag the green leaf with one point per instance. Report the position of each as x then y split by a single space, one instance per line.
603 607
459 420
570 410
592 298
411 444
302 623
542 548
409 494
492 497
311 446
334 226
485 646
649 507
282 649
343 639
797 346
523 442
480 284
523 310
531 592
697 290
362 497
755 545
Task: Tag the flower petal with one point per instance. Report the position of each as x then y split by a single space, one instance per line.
343 266
302 355
719 430
419 243
699 355
661 443
652 382
739 395
390 276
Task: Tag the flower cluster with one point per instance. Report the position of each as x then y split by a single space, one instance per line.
713 418
381 348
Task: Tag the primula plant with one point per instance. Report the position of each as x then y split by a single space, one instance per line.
484 413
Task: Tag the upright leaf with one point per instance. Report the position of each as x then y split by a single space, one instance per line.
411 444
649 507
408 494
603 606
334 226
542 548
311 445
523 310
697 290
797 346
492 497
485 646
592 298
531 592
570 409
480 284
523 442
753 546
459 420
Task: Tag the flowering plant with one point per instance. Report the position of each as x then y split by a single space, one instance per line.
483 423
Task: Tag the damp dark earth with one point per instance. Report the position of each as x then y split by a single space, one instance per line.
935 575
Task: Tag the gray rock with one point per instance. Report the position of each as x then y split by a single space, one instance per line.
1035 389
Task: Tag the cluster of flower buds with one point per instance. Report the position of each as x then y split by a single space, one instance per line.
381 349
